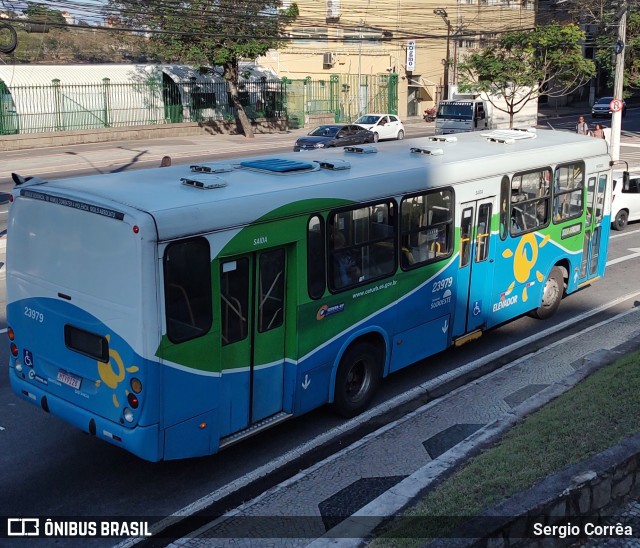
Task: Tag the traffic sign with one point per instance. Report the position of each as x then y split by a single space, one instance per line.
615 105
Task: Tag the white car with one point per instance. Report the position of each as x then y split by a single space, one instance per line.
384 126
625 206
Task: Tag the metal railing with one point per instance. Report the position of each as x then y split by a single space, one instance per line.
65 107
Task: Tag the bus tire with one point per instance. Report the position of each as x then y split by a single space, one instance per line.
621 220
551 295
357 378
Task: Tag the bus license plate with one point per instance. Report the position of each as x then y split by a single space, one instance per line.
69 379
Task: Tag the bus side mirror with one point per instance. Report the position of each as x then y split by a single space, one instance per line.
625 180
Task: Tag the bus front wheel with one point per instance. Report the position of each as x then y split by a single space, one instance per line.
551 295
357 378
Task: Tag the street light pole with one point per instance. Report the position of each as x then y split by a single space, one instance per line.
445 16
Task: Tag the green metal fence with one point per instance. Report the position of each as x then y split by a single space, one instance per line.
63 107
342 97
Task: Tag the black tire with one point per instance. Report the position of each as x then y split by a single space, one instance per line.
620 222
400 135
358 376
552 294
375 137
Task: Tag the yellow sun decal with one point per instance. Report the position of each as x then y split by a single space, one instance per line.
113 377
524 261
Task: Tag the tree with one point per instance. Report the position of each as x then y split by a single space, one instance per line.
522 65
43 16
210 32
600 18
605 41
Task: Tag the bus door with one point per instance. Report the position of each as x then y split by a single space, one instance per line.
475 269
252 305
593 237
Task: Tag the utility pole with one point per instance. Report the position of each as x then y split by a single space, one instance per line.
618 87
360 66
445 16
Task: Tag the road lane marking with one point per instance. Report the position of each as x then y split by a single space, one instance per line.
635 254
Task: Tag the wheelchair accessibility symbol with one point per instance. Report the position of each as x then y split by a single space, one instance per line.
477 307
28 358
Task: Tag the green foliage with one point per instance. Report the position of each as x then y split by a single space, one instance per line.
596 414
524 64
38 13
208 32
604 49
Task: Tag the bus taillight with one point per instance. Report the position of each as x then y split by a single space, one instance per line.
14 350
11 334
133 400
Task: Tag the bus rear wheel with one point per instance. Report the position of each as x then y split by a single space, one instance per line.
357 378
551 295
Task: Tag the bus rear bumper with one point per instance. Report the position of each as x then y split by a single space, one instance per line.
142 441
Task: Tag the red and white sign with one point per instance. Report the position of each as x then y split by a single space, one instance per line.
615 105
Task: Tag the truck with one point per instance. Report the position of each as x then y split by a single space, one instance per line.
475 112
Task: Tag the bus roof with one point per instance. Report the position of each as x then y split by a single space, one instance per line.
238 195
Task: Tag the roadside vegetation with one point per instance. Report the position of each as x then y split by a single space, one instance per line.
594 415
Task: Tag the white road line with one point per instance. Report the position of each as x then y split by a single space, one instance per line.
634 255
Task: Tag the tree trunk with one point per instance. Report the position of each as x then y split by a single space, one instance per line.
231 75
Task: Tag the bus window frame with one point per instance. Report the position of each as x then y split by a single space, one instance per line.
355 245
536 199
199 330
557 194
314 270
449 224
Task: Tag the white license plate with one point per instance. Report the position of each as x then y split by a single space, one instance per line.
70 380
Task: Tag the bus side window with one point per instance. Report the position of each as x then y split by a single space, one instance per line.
315 257
530 194
234 300
504 207
426 228
465 235
362 245
187 289
568 199
484 232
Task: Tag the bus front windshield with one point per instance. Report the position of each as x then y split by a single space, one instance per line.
456 109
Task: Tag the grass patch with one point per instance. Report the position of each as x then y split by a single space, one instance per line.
594 415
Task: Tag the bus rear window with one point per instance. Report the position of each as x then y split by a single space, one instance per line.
87 343
187 289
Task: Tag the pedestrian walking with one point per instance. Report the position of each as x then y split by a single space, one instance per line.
166 161
582 128
598 132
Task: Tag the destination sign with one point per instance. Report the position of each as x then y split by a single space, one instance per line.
75 204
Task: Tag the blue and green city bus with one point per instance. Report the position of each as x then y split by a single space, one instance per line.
175 311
